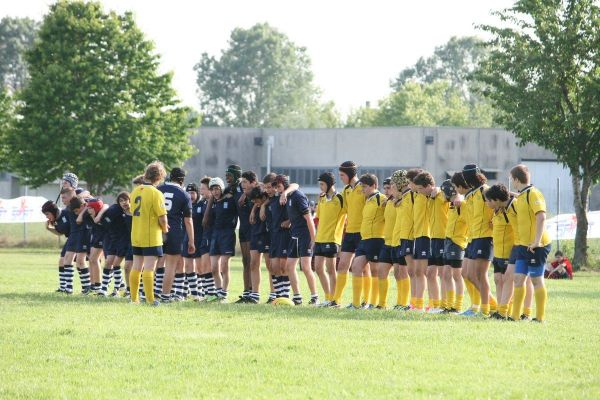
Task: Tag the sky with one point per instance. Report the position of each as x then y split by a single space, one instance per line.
356 47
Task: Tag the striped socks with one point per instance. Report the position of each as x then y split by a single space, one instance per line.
192 280
84 278
107 274
69 272
158 280
178 285
62 284
117 273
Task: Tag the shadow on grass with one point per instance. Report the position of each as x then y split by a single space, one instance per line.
261 310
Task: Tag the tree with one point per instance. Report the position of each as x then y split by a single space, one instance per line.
16 36
543 74
95 103
6 123
262 79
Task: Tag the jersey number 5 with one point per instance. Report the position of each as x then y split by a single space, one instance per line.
168 201
138 202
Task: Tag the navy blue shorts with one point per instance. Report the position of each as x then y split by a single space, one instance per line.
280 241
482 248
468 250
452 251
327 250
117 246
202 247
173 244
261 243
514 252
299 246
350 242
245 233
129 254
79 241
97 240
156 251
422 248
64 250
407 247
223 242
437 253
386 254
397 257
500 265
532 263
370 248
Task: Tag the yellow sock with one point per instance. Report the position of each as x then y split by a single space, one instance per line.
541 297
419 303
340 285
437 303
134 285
493 304
458 303
357 289
469 286
503 310
476 299
485 309
430 302
384 286
366 289
413 301
374 291
510 308
518 298
148 279
527 311
404 295
450 296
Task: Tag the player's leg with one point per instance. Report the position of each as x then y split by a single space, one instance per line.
255 276
149 265
225 275
358 266
433 288
306 265
349 245
246 264
323 276
94 266
383 283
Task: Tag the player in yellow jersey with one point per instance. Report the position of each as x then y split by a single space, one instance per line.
354 201
386 255
371 233
533 242
422 228
408 245
455 243
331 217
437 212
149 223
482 250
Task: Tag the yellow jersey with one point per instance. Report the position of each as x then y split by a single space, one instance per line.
421 216
456 228
389 216
480 223
354 201
503 232
147 204
438 215
331 215
530 202
372 217
403 227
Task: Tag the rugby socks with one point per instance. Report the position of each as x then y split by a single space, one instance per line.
366 289
476 299
503 310
485 309
527 312
141 291
384 286
254 296
159 276
200 285
134 284
493 304
274 281
117 273
450 299
245 293
148 283
278 285
106 276
357 290
62 284
192 278
374 297
458 303
209 284
287 286
510 308
470 287
518 299
178 284
403 295
340 285
297 299
186 287
69 272
84 277
419 303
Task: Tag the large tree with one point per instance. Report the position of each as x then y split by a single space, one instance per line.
543 74
262 79
95 103
16 37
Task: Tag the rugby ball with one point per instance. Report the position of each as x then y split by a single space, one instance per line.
283 301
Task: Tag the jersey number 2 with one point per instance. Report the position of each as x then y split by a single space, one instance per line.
138 202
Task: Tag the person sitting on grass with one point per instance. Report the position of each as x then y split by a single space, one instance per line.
560 268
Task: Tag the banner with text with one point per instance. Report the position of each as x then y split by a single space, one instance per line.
22 209
563 226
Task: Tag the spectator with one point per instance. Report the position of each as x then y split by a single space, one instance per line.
560 268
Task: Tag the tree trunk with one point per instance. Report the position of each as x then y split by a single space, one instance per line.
581 191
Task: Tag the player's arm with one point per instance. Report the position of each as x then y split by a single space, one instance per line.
164 224
189 228
100 214
253 214
291 189
540 220
207 213
159 206
52 229
311 228
263 210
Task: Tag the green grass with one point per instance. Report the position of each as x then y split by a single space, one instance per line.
54 346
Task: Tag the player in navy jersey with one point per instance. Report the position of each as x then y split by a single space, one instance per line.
117 242
97 237
178 205
206 280
58 224
302 230
78 242
223 215
192 260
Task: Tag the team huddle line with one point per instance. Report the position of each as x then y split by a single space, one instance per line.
177 242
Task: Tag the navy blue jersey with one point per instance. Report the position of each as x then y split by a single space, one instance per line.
63 224
245 208
128 222
178 204
258 227
198 211
278 213
207 230
297 207
74 226
97 229
113 220
224 213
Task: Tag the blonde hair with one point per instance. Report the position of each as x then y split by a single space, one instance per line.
155 172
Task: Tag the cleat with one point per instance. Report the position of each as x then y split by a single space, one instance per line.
510 319
68 292
435 311
400 307
525 317
370 307
212 298
115 293
380 308
469 313
250 300
155 303
353 307
324 304
539 321
297 302
86 291
496 315
242 300
270 300
314 301
453 310
333 304
59 290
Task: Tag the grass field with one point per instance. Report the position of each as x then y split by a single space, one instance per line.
54 346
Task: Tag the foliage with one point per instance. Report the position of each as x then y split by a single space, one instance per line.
16 37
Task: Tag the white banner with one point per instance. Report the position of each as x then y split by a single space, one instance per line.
22 209
563 226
